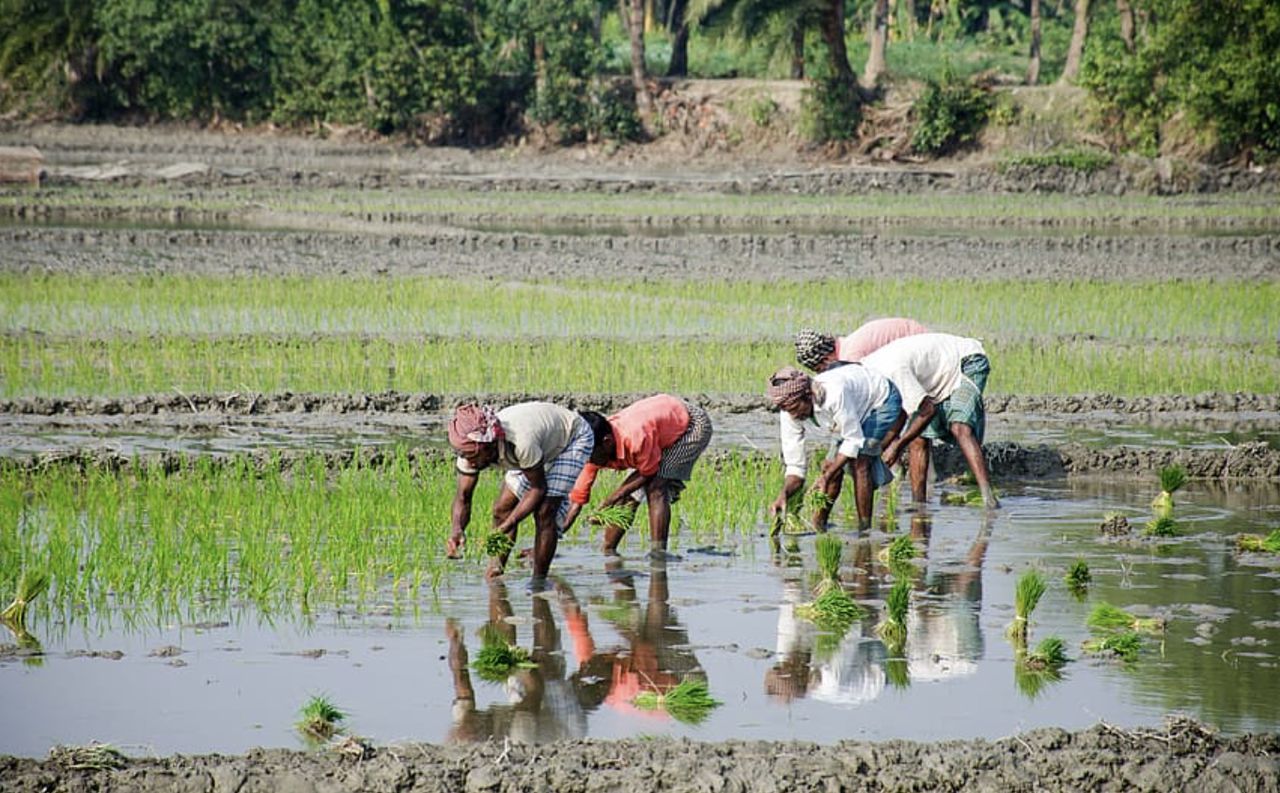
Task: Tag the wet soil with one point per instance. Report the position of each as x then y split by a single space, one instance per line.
1182 756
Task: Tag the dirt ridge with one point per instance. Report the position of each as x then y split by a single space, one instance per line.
1183 755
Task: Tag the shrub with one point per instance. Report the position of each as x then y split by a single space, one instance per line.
949 114
830 110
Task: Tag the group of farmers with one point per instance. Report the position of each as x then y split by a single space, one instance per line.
890 387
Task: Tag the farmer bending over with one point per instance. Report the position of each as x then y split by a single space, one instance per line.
818 352
941 378
659 438
861 407
542 447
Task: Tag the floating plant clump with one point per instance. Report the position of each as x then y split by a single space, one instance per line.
1078 576
1106 617
1114 524
1252 542
689 701
1161 526
1031 587
496 659
1049 653
1033 670
1125 645
320 719
1172 478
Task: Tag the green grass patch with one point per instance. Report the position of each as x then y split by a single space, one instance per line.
1084 160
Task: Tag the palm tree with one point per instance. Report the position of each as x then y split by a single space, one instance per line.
1076 50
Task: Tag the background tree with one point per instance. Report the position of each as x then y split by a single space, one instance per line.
1033 66
878 38
1079 32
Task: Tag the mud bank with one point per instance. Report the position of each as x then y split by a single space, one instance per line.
753 257
1182 756
1246 461
147 155
245 404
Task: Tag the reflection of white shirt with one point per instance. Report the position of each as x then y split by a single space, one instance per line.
923 365
854 674
848 394
943 641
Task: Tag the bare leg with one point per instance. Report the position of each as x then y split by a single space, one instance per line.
862 489
918 456
821 515
977 460
659 512
548 535
613 533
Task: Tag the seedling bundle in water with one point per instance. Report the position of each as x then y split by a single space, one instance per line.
496 658
1078 576
1124 645
1030 589
1106 617
893 628
1252 542
320 719
689 701
1033 670
899 553
1172 478
615 516
833 609
31 584
1161 526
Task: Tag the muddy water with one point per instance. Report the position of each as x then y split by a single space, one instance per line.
605 630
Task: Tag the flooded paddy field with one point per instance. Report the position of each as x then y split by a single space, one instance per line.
224 372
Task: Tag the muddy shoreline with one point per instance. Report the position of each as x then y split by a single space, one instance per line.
1183 755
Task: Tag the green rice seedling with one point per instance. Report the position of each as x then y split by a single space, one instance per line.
689 701
31 584
969 498
897 672
829 549
893 628
498 543
1125 645
1031 587
320 719
618 516
1031 677
899 553
1050 653
1078 576
1172 478
94 757
1162 526
1252 542
833 611
1106 617
816 500
496 659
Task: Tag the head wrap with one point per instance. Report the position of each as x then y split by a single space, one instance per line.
471 426
813 347
789 387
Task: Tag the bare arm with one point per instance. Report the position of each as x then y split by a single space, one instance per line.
532 497
921 419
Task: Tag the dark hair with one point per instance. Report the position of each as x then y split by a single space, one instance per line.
600 426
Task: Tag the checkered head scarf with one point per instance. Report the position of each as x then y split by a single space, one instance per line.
471 426
813 347
789 387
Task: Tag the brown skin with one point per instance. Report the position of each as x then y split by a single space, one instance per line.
508 511
965 439
655 488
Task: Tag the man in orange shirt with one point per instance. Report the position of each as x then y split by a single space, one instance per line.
659 438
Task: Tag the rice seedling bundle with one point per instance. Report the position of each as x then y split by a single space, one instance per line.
969 498
899 553
498 543
1125 645
31 584
1050 653
1252 542
689 701
1172 478
320 718
829 549
817 500
1031 587
94 757
834 610
618 516
1161 526
496 659
1106 617
1078 575
893 628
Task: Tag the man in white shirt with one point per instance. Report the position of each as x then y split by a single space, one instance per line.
941 378
856 403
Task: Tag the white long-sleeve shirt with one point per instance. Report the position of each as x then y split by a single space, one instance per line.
923 365
847 394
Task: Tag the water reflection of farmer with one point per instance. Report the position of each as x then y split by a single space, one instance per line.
656 656
541 703
944 637
847 672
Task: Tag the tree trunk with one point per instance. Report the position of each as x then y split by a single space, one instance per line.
1076 51
797 52
1033 68
679 65
831 23
909 11
1125 10
635 27
878 38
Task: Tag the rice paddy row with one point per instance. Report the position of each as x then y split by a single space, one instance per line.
565 205
34 365
405 307
171 544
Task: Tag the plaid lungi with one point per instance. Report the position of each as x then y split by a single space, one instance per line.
562 472
677 461
964 406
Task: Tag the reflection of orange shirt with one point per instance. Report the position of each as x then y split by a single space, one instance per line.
640 431
628 683
583 645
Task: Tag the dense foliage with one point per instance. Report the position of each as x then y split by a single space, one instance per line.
477 71
949 114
